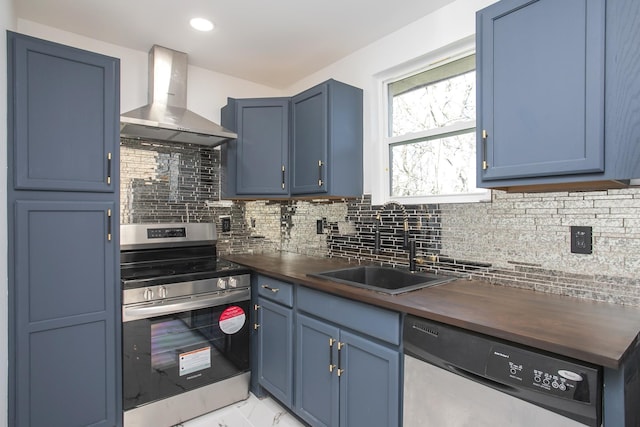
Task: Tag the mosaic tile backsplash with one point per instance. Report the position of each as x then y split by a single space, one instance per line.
517 239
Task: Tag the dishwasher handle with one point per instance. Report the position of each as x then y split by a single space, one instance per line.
480 379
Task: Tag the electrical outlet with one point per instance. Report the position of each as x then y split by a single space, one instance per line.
226 223
581 240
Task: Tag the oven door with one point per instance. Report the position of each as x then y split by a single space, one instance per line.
175 346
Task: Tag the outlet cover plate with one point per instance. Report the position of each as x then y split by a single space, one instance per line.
581 240
226 224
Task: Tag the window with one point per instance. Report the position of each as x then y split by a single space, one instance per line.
431 134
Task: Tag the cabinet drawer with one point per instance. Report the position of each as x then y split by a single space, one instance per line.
367 319
275 290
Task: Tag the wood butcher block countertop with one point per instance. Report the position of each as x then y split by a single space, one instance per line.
596 332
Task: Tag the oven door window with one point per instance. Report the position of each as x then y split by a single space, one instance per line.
164 356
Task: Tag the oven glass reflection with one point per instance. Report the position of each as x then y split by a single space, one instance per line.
169 354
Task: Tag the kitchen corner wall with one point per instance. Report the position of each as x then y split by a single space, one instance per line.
519 239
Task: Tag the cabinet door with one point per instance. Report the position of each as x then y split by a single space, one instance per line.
540 88
65 313
369 383
275 350
262 146
316 389
309 141
64 124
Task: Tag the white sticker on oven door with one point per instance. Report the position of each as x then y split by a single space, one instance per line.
232 319
195 360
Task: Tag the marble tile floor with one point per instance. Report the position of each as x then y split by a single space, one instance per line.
252 412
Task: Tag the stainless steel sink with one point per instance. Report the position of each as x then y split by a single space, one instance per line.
383 279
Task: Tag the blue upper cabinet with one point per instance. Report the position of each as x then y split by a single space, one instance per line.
545 70
308 145
257 163
62 145
326 141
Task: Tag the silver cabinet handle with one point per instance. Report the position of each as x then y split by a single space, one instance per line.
485 135
108 168
320 164
109 235
340 370
274 290
332 366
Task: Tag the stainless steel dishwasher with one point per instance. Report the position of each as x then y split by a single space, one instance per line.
457 378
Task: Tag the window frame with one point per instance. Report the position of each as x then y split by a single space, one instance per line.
429 61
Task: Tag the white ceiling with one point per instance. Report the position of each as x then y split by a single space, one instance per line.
272 42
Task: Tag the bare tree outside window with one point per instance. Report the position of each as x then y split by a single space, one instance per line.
432 123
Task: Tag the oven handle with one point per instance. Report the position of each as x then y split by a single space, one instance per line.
147 310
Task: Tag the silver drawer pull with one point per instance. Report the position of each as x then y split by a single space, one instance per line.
274 290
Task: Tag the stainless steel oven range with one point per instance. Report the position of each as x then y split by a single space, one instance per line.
185 324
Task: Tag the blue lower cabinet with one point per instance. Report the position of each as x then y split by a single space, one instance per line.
332 361
316 373
369 383
275 350
344 379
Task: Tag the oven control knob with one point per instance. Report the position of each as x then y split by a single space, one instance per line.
148 294
162 292
222 283
233 282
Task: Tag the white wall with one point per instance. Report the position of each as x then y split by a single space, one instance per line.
7 22
366 67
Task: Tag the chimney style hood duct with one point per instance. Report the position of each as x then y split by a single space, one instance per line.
166 117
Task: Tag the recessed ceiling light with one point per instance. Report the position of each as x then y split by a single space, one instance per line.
201 24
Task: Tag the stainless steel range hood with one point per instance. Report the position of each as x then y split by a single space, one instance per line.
166 117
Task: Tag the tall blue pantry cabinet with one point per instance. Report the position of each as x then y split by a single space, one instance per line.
63 222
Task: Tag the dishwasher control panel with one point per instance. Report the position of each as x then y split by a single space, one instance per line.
541 373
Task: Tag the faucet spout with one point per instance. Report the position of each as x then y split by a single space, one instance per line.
412 256
376 248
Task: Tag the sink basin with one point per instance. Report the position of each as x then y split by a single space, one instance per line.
383 279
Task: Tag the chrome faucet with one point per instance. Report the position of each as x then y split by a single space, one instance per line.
405 243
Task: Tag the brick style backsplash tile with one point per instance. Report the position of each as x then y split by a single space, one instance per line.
168 182
518 239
